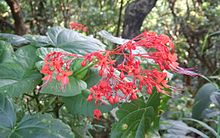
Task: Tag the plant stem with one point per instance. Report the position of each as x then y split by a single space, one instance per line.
57 107
28 95
37 101
119 19
85 68
28 108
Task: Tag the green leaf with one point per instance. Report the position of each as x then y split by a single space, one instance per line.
176 128
163 103
215 34
53 34
41 125
31 126
138 117
6 51
154 100
111 38
26 57
202 100
79 105
59 35
142 126
15 86
7 113
38 40
92 77
203 124
17 75
73 41
80 47
74 87
15 40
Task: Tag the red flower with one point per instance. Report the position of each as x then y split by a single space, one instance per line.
57 64
97 114
123 81
78 27
64 77
117 86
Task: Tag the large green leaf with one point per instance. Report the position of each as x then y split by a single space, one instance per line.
59 35
111 38
31 126
74 87
202 100
26 57
53 33
80 47
73 41
7 113
177 128
206 126
15 40
17 75
79 105
41 125
6 51
17 85
137 118
38 40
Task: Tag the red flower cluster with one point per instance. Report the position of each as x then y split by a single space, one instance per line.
122 82
78 27
57 64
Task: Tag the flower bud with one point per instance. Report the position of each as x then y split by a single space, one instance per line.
101 72
116 99
122 75
83 63
89 99
149 90
111 100
133 96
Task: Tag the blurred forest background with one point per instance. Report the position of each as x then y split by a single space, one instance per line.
193 25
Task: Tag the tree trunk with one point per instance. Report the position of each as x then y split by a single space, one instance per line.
20 27
134 16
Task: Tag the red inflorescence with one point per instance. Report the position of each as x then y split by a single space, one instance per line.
122 81
78 27
57 64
